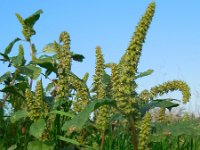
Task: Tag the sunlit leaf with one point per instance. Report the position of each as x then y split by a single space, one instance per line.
78 121
39 145
5 76
31 20
62 113
18 115
72 141
145 73
10 46
37 128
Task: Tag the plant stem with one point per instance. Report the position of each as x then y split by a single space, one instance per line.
102 139
134 135
4 100
32 53
7 95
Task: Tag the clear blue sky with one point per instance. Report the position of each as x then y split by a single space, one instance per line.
172 46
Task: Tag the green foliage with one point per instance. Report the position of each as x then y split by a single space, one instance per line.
79 121
59 117
40 145
145 73
5 76
37 128
18 115
10 46
30 70
28 23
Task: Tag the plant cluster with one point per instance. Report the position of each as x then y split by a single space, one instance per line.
59 116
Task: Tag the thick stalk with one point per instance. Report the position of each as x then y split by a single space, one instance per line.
102 139
4 100
134 134
32 53
7 95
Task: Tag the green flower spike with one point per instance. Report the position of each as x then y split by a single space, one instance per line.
129 62
145 131
172 86
102 113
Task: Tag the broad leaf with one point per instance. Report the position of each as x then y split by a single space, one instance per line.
10 46
31 20
5 76
18 60
49 87
18 115
47 63
5 57
72 141
39 145
30 70
50 48
12 89
162 103
22 85
62 113
12 147
77 57
37 128
145 73
78 121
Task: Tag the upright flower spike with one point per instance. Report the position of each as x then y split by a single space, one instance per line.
82 92
64 65
172 86
129 62
28 100
65 52
85 77
36 105
115 80
145 131
161 115
99 70
103 112
145 96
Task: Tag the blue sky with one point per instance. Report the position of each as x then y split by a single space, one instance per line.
172 46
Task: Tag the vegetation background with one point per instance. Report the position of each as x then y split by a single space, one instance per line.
171 48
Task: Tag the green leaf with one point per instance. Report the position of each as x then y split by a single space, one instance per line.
11 89
5 57
22 85
39 145
145 73
25 71
5 76
72 141
162 103
12 147
62 113
37 128
18 115
106 79
49 87
165 103
36 71
77 57
9 47
18 60
31 20
78 121
30 70
50 48
47 63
